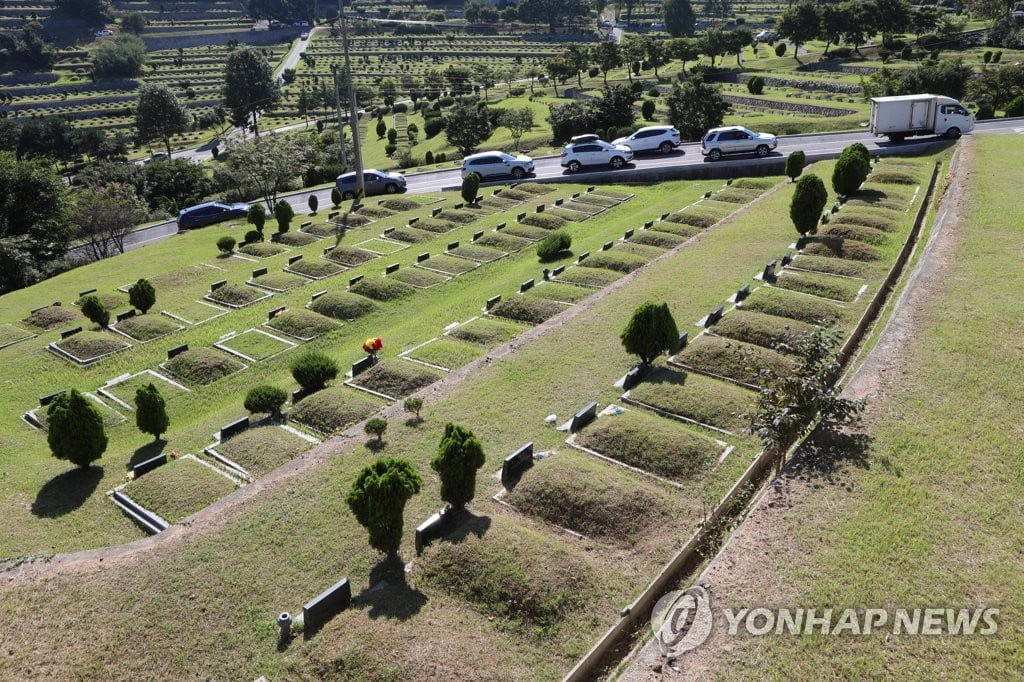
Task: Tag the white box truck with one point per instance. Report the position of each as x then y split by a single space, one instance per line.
905 115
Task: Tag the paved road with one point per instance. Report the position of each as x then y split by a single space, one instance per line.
548 168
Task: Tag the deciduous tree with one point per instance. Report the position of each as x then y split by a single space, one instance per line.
271 164
249 86
679 17
159 114
518 120
466 126
695 107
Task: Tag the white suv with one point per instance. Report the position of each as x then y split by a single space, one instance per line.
736 140
596 153
662 139
497 164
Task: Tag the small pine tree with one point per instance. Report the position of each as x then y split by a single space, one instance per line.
75 429
257 216
93 308
283 214
335 197
850 171
755 86
382 129
647 109
376 427
142 295
795 163
651 331
378 497
470 188
266 398
151 411
314 203
413 405
459 455
809 198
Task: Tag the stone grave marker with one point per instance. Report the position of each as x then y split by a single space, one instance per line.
742 292
714 316
326 605
121 317
499 227
317 295
391 268
627 234
218 285
387 231
649 224
583 417
607 245
540 208
582 257
275 312
435 212
769 271
558 202
413 221
233 428
519 218
526 286
70 332
684 338
558 271
787 259
493 301
45 400
422 257
294 259
86 292
432 529
453 245
515 464
328 250
148 465
176 351
363 364
477 235
354 281
635 376
259 272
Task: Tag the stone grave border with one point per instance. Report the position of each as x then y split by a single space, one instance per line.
567 304
222 312
571 442
223 460
349 266
163 366
102 390
30 416
405 355
219 343
671 360
350 383
629 400
324 435
29 335
447 277
293 336
234 306
380 254
61 353
251 259
113 328
476 260
148 520
860 292
499 498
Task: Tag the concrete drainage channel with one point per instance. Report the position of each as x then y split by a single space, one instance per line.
615 646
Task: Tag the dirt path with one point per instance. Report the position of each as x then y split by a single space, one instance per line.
740 572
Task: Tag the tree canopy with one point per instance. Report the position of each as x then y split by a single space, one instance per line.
249 86
122 57
466 126
809 199
151 411
159 114
695 107
271 164
104 215
679 18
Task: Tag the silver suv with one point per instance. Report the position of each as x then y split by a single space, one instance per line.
662 139
736 140
497 164
596 153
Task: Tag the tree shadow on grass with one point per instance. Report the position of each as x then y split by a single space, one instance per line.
389 594
147 451
830 450
66 492
465 523
375 446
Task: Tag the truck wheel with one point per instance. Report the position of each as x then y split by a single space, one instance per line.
896 139
953 133
762 150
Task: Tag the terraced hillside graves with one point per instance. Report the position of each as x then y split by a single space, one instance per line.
496 542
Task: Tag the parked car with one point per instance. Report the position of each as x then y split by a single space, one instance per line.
159 156
766 36
374 182
652 139
596 153
103 32
588 137
209 213
497 164
304 35
736 140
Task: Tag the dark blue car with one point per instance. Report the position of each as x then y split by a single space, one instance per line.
209 213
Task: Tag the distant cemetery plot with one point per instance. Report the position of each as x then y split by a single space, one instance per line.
202 366
300 324
445 353
396 379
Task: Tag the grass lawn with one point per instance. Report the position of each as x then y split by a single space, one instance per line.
447 352
293 526
920 507
256 345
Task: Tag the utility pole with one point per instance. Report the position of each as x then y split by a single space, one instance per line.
353 117
337 104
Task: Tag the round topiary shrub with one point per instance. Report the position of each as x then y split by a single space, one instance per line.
755 86
850 172
313 369
226 244
780 49
253 237
266 398
809 198
554 245
647 110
